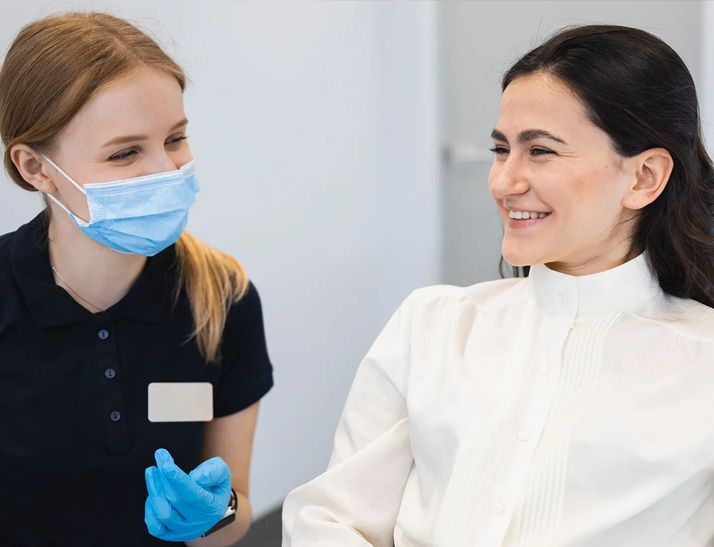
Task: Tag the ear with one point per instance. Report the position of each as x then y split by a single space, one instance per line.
652 168
30 166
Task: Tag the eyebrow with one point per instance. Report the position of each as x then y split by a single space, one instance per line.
528 135
133 138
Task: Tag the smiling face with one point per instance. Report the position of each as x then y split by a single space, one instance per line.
550 158
132 127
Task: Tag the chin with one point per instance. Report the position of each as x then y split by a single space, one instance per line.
518 260
521 257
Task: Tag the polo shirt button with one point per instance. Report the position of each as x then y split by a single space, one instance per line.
115 416
103 334
110 373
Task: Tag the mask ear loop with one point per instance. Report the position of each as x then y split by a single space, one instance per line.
58 202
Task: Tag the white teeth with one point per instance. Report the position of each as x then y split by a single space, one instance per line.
526 215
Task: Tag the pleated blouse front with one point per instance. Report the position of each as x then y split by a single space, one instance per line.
550 411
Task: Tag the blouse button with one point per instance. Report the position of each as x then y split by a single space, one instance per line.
115 416
110 373
498 507
546 369
564 297
523 435
103 334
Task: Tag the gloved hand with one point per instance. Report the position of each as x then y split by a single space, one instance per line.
181 507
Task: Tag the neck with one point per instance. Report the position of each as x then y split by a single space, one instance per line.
601 262
94 275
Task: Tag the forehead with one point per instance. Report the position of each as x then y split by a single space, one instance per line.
145 101
543 102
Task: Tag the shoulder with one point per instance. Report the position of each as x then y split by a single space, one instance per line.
28 239
245 311
684 318
5 245
10 298
7 283
484 295
249 303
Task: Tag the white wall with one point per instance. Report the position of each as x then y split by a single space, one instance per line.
314 129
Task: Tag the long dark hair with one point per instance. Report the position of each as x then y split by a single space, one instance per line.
639 91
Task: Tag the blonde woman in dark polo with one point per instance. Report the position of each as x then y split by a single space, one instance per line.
132 356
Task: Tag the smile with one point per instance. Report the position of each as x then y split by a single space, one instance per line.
531 221
525 215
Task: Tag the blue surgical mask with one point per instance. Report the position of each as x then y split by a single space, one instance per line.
143 215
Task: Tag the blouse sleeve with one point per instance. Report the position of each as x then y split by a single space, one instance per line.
356 501
246 372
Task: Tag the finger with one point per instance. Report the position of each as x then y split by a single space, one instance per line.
166 466
179 486
162 455
153 524
157 496
211 473
153 488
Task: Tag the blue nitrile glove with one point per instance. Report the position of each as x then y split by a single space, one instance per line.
181 507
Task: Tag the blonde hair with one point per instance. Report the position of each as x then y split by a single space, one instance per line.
52 69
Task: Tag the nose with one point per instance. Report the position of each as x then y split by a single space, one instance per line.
164 162
507 178
169 163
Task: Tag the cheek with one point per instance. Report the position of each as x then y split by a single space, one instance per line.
592 200
492 173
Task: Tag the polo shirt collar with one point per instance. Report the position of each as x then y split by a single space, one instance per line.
629 287
51 306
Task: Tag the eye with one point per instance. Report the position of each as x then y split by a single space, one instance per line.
176 139
124 154
499 150
540 151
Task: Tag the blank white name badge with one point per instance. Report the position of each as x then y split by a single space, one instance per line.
180 402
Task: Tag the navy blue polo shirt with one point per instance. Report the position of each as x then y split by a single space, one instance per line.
74 434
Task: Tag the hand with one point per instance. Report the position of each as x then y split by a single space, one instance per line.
181 507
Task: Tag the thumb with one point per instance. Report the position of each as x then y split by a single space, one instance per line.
210 473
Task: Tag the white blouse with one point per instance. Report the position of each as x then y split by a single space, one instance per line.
548 411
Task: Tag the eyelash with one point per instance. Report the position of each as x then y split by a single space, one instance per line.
128 153
498 150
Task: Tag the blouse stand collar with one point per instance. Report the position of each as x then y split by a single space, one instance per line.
628 287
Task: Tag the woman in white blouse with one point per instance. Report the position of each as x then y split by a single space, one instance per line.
575 406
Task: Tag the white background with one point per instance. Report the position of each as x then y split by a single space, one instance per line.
317 132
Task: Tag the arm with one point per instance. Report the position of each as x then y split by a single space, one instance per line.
356 501
181 505
231 438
